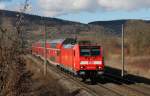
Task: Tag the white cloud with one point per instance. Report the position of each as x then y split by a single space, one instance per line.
61 7
2 6
124 4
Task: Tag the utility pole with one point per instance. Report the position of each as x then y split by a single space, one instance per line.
122 73
45 51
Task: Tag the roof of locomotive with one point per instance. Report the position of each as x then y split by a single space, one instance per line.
70 42
56 41
52 41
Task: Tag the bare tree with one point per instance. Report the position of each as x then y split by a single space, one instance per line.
14 77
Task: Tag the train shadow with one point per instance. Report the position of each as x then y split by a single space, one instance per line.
112 75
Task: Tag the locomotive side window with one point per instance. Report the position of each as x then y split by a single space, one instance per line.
58 53
74 53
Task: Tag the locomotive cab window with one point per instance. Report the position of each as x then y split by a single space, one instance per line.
85 52
95 52
89 52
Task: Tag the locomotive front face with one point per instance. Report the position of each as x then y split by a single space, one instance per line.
91 59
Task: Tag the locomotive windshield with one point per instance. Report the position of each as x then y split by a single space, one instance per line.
95 52
85 52
89 52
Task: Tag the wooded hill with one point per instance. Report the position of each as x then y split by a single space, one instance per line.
106 33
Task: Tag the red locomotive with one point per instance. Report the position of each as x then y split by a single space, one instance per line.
79 57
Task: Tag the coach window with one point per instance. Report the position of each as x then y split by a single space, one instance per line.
53 45
58 53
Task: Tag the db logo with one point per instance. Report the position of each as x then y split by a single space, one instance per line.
90 62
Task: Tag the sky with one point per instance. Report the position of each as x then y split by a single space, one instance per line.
84 11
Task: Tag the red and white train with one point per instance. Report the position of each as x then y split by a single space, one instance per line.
81 58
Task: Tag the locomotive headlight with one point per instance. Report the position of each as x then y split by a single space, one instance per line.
82 67
99 67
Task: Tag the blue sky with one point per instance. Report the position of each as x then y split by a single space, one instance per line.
85 10
106 16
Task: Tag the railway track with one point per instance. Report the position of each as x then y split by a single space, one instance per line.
127 81
99 88
65 76
118 92
95 90
128 85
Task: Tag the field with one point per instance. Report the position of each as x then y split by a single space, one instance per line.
137 65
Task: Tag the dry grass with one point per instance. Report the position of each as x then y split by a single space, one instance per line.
44 85
139 65
15 79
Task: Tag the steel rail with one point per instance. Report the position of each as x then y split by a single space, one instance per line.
125 85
